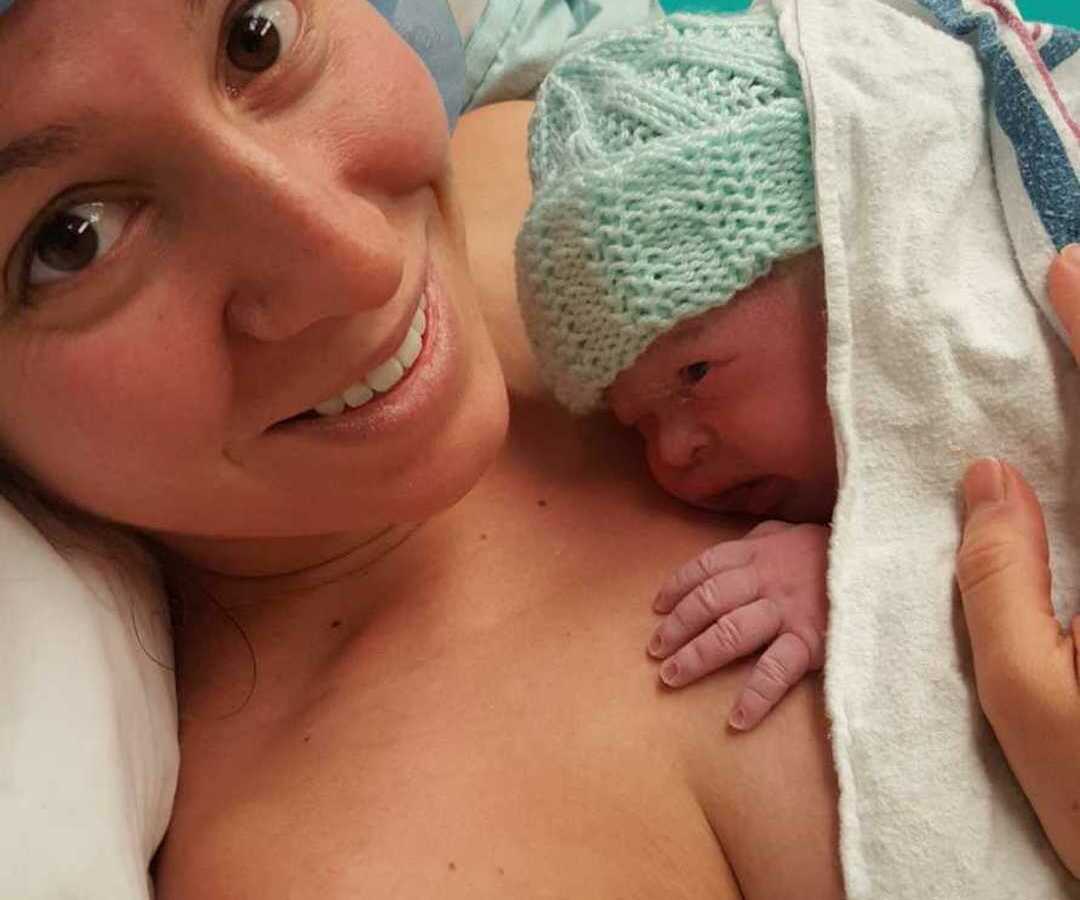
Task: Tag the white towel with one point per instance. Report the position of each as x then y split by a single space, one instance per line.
938 354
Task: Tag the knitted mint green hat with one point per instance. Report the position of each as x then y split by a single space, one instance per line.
671 168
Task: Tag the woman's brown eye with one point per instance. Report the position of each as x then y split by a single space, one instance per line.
74 239
261 34
694 372
68 243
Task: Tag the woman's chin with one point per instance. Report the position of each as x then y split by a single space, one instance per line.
426 487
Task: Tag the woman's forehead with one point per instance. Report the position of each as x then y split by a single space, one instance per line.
428 26
21 9
60 60
82 34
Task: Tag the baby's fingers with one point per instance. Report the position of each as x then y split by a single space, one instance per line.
738 634
722 557
780 668
705 604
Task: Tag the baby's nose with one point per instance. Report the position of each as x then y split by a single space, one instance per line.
680 442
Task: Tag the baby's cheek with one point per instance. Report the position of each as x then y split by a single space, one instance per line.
661 473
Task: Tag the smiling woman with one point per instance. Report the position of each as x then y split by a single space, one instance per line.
97 276
240 320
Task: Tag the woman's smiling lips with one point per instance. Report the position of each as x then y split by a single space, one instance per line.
392 364
412 398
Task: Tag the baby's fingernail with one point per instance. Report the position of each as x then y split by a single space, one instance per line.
984 483
1071 255
669 673
655 644
738 720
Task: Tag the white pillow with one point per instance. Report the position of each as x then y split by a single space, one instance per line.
88 727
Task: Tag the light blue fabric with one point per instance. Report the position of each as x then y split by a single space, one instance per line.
706 6
1060 12
516 42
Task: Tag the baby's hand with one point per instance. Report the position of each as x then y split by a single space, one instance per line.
768 588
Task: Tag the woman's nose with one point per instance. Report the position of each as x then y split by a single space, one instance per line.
302 247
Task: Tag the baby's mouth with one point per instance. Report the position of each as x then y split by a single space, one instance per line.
757 497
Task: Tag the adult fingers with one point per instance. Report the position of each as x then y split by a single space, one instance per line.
1004 579
1025 666
736 635
706 603
779 669
1064 286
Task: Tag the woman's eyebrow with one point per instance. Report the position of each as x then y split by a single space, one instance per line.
47 146
41 148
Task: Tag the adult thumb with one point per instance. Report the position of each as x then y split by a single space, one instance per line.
1064 287
1003 572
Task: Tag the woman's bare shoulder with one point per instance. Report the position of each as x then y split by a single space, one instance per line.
770 794
491 170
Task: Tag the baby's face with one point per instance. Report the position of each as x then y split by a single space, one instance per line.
732 403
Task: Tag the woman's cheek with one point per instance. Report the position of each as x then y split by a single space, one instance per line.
136 405
390 115
397 160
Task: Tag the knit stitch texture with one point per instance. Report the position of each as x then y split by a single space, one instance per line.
671 168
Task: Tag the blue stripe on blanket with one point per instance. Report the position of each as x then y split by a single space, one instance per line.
1047 173
1045 168
1063 43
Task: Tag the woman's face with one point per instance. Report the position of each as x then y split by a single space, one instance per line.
732 404
216 216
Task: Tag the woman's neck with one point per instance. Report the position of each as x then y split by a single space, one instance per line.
266 612
248 572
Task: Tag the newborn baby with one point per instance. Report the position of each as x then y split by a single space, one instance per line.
669 270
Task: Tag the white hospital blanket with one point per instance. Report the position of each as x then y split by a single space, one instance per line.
938 354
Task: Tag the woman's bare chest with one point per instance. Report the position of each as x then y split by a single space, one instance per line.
524 761
499 732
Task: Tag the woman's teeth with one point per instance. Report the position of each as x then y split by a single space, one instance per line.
384 377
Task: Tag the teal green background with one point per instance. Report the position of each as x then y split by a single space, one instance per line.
1060 12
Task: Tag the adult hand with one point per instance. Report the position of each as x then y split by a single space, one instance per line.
1026 666
1065 293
